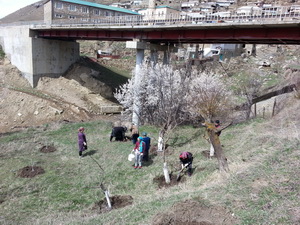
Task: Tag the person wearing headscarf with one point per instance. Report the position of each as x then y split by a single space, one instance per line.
82 143
118 133
186 160
139 150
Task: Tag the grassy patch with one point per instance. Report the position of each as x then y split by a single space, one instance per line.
261 188
2 53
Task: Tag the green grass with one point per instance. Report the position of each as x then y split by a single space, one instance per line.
2 53
263 183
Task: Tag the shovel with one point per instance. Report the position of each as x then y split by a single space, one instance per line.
179 173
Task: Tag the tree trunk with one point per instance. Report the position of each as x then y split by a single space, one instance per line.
166 173
160 144
214 139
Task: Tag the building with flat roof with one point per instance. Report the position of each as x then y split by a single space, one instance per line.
81 10
159 13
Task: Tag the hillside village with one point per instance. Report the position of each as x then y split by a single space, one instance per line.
190 8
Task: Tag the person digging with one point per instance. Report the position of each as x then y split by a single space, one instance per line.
186 160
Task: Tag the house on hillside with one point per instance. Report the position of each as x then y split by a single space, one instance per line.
55 10
188 6
225 3
159 13
249 11
208 8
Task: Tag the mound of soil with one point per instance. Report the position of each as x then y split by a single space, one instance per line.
161 182
117 201
75 97
47 149
153 150
192 212
30 171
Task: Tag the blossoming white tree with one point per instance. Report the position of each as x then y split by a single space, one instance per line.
167 97
162 96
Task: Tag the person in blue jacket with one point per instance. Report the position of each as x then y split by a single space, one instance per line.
147 141
139 150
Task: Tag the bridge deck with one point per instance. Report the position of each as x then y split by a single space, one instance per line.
280 28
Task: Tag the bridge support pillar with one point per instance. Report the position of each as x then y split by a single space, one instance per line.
166 59
37 57
52 58
154 56
140 47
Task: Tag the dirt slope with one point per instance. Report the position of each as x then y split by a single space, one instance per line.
75 97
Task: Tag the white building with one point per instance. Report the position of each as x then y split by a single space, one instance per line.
224 3
249 11
188 6
159 13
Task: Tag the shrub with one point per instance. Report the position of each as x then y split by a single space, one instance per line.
2 53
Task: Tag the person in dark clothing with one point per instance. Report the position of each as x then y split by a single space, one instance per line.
134 133
118 133
82 144
147 141
186 159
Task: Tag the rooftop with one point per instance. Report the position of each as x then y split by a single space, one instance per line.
96 5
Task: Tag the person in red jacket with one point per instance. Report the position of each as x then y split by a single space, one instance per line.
139 150
186 160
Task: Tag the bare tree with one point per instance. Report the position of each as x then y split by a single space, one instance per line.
247 84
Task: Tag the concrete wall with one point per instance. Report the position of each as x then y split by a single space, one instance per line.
36 57
52 58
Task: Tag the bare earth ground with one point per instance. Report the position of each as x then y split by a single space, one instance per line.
194 213
75 97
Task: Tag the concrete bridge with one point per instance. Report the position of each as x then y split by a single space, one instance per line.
40 49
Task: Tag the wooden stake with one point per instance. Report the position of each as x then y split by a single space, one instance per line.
107 198
274 106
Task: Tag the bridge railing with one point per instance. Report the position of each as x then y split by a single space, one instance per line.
284 14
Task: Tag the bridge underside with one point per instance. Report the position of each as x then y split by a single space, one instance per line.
246 35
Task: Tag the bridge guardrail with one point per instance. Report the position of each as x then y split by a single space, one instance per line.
277 14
